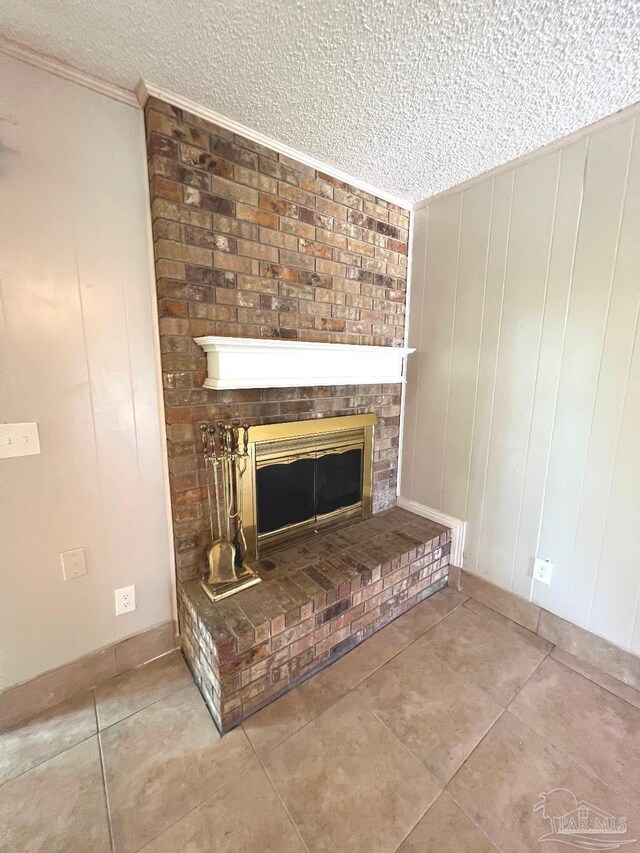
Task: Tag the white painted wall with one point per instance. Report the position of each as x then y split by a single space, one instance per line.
523 405
77 356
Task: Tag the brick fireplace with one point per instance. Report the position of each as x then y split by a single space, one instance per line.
249 243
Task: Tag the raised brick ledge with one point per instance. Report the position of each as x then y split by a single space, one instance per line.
318 600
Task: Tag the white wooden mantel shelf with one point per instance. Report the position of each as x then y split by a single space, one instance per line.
263 363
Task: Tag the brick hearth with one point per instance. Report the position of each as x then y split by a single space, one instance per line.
250 243
318 600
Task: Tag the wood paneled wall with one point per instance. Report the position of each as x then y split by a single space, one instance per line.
77 355
524 309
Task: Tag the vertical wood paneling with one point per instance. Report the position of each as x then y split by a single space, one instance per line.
546 419
78 359
414 339
437 326
472 271
525 290
605 180
606 421
561 260
492 321
614 383
615 610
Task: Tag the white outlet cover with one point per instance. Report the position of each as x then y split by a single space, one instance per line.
74 563
542 570
125 600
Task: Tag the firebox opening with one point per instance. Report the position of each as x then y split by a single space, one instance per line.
306 475
304 488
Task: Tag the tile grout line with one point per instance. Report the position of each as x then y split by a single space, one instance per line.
102 770
352 688
570 758
597 683
149 841
573 760
277 792
363 703
144 707
566 651
450 792
585 770
51 757
528 679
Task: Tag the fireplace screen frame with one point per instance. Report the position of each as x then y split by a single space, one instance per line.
282 442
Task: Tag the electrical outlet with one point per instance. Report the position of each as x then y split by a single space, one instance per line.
74 564
542 570
125 600
19 440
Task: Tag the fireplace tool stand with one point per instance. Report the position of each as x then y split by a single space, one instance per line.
225 450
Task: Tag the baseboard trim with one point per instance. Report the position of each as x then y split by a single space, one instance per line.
457 525
48 689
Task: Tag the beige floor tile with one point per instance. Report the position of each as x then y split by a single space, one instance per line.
246 816
502 623
136 689
598 730
279 720
526 613
31 742
164 761
618 688
446 829
348 783
369 656
428 613
609 658
498 662
457 594
438 715
58 807
506 776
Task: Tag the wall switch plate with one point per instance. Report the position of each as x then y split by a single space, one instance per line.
125 600
74 564
19 440
542 570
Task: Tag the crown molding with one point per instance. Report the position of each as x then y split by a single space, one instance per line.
67 72
631 111
145 90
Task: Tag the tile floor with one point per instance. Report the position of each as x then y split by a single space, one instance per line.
439 733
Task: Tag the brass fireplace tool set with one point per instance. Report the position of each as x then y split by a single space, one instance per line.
226 453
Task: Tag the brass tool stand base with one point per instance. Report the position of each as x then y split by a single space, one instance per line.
246 577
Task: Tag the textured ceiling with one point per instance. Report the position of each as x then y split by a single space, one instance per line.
412 97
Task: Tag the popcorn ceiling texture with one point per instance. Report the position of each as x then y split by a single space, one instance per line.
412 97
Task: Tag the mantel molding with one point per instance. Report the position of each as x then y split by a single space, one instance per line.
262 363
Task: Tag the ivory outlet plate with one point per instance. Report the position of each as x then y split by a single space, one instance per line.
542 570
74 563
125 600
19 440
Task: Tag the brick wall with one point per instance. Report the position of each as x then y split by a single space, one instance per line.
250 243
